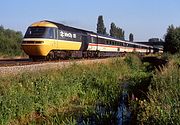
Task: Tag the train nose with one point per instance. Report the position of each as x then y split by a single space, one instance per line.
35 48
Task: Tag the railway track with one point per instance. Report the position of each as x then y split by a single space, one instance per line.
15 62
25 61
19 66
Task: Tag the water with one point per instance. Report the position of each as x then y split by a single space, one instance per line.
123 113
120 115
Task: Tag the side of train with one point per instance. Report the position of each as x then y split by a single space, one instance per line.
46 39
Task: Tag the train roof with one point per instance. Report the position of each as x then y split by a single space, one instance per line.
64 27
73 29
121 40
43 24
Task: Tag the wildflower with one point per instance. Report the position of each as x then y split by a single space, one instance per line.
136 99
20 84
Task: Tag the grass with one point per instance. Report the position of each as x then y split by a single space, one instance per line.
61 96
82 91
162 105
12 55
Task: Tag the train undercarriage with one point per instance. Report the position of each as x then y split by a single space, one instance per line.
61 55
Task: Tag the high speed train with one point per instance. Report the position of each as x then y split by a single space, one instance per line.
51 40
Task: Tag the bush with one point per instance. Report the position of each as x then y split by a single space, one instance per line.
10 42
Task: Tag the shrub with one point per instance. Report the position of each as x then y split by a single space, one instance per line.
163 106
10 42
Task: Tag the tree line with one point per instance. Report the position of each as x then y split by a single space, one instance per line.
172 40
115 31
10 42
172 37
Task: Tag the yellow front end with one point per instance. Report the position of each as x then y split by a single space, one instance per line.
43 37
38 40
38 47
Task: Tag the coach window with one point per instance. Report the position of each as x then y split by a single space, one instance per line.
93 40
99 40
110 42
104 41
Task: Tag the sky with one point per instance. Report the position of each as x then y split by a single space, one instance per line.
144 18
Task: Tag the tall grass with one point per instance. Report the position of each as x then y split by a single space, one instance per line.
60 96
63 96
163 104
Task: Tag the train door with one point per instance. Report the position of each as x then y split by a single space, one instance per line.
149 50
85 43
94 41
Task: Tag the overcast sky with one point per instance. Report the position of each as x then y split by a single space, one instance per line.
144 18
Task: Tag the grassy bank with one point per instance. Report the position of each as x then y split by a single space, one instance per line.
61 96
162 105
65 96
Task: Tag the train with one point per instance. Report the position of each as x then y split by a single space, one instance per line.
51 40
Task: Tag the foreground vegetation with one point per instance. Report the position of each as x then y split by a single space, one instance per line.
62 96
10 42
162 105
71 95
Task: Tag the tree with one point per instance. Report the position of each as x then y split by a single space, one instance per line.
116 31
10 41
131 37
172 40
113 30
100 26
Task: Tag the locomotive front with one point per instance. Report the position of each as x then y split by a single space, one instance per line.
39 39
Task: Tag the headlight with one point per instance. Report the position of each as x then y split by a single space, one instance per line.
39 42
33 42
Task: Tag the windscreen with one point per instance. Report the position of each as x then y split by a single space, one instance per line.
40 32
